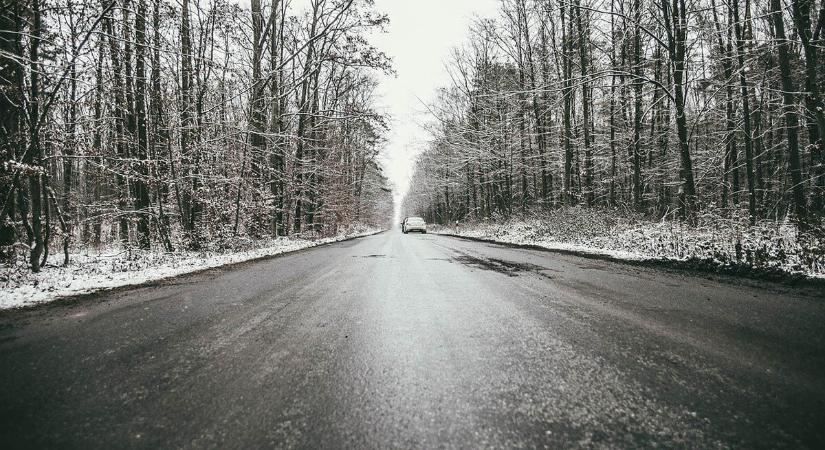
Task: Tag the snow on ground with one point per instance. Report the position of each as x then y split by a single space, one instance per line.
95 270
769 247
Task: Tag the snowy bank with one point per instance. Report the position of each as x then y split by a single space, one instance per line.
733 245
94 270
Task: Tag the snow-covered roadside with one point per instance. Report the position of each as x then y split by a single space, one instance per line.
769 247
94 271
482 233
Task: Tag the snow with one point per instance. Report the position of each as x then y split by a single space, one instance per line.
92 271
775 247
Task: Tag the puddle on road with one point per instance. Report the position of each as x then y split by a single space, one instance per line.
509 268
371 256
591 267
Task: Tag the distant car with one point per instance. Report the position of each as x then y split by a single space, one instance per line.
414 224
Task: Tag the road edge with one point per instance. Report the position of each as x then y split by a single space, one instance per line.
693 267
73 299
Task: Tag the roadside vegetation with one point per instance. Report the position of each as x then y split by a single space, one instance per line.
139 126
683 129
768 249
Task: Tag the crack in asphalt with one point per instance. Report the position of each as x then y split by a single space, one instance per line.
509 268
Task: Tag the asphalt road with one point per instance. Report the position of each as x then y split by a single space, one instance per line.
419 341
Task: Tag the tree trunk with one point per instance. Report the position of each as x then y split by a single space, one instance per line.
34 155
276 125
568 106
142 156
730 160
160 133
584 57
746 114
638 202
189 199
303 119
789 104
814 105
676 27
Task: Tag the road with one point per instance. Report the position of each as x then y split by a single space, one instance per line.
419 341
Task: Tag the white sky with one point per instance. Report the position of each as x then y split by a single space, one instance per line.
419 38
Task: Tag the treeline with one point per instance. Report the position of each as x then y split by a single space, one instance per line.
152 123
665 107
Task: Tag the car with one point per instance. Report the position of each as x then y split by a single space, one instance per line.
414 224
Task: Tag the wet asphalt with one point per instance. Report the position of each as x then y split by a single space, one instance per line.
420 341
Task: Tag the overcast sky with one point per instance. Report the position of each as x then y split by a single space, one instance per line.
419 38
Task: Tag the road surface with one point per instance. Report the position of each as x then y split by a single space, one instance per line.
419 341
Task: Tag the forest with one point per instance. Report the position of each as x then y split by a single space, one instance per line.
664 110
186 125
